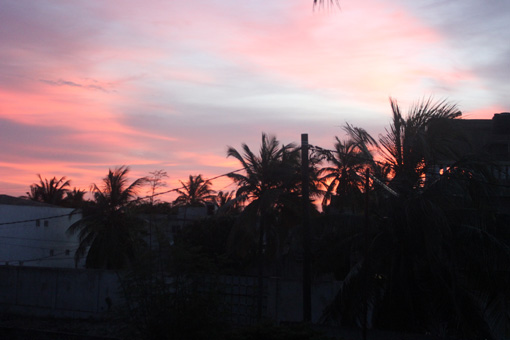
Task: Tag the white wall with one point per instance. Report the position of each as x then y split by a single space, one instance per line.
31 243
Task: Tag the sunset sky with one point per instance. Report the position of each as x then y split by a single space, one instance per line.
88 85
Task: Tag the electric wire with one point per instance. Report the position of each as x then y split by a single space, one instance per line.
325 152
35 219
27 246
48 257
32 239
133 201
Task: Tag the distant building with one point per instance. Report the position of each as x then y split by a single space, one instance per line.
162 228
490 137
187 215
34 234
489 140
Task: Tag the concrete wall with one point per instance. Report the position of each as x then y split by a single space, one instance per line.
57 292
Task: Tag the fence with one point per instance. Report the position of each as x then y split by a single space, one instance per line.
81 293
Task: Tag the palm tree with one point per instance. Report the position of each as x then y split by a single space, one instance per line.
226 202
51 191
344 180
74 198
195 192
223 197
415 142
109 234
434 256
321 2
436 263
270 185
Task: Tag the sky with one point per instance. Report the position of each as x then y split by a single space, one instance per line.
90 85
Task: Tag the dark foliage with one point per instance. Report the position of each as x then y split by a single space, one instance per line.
109 232
51 192
180 302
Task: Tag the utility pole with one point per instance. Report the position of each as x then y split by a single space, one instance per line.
365 261
307 260
260 286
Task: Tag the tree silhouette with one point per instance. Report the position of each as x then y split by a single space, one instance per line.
344 179
195 192
74 198
51 192
433 257
415 142
109 233
270 187
226 202
156 181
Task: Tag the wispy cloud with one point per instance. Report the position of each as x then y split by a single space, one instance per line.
93 85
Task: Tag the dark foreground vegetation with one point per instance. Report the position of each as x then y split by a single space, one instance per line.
66 329
414 223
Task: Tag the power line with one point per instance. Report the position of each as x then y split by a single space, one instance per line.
26 246
49 257
35 219
312 148
33 239
135 200
182 187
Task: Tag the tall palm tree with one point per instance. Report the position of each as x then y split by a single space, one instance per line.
429 254
51 191
195 192
270 187
437 263
109 234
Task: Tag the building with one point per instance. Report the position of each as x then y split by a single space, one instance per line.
34 234
490 137
489 141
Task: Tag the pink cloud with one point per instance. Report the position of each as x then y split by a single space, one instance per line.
210 160
367 48
170 84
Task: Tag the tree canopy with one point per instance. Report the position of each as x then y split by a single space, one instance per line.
109 232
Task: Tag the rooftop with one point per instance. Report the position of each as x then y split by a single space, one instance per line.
10 200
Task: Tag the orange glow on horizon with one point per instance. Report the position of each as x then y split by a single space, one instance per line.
485 113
